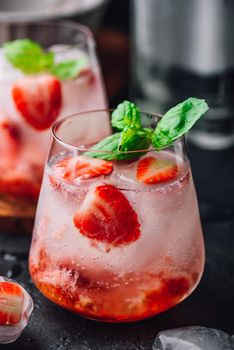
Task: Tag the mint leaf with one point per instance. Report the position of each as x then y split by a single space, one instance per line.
135 141
69 69
28 56
132 139
109 144
126 114
177 121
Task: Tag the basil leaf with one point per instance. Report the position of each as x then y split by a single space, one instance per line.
28 56
130 137
109 144
69 69
135 140
126 114
177 121
133 137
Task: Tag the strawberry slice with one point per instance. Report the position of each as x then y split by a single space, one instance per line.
19 186
86 74
151 170
11 303
82 168
38 99
9 139
107 216
20 181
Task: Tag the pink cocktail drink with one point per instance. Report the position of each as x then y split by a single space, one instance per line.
117 240
31 102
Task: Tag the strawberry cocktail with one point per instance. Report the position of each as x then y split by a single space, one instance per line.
117 235
51 72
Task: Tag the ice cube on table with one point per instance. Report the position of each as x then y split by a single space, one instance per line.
16 306
193 338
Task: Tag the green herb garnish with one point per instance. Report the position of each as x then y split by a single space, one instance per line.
69 69
135 142
177 121
30 58
133 137
126 114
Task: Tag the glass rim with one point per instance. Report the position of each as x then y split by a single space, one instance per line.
89 149
87 33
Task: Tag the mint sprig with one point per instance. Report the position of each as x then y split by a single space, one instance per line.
107 149
68 70
29 57
177 121
126 114
133 137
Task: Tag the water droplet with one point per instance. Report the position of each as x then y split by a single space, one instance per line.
14 271
14 256
30 339
9 257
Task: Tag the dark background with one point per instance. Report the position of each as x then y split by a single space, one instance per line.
211 304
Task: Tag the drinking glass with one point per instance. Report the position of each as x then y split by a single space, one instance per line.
106 245
29 104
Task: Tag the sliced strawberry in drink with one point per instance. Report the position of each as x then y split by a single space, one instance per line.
86 74
107 216
19 187
9 139
38 99
20 181
151 170
11 303
82 168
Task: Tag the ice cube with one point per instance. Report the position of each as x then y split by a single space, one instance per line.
193 338
7 70
16 306
67 52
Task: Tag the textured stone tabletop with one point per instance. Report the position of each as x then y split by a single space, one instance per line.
52 328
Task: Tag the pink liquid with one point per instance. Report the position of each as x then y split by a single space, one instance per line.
124 283
23 148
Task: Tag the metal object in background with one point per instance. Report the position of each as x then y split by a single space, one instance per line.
88 12
185 48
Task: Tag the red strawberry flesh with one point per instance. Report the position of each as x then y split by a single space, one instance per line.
107 216
38 99
151 170
10 139
81 168
19 186
11 303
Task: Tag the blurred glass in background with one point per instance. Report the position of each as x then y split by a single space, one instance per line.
183 48
89 12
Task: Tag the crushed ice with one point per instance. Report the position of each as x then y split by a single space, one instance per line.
193 338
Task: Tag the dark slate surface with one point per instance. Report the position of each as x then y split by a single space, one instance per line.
211 305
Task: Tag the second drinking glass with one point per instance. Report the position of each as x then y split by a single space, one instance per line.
51 73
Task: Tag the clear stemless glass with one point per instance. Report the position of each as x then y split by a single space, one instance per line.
106 245
29 104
